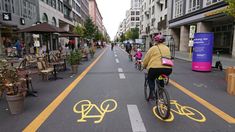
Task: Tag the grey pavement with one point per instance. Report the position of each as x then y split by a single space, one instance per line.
133 113
226 60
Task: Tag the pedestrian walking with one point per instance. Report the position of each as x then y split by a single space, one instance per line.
18 48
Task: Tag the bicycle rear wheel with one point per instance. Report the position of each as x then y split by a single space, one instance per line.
166 80
139 66
163 103
146 90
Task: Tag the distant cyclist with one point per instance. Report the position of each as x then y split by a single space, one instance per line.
153 63
128 48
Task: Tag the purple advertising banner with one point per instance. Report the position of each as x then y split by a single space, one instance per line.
202 51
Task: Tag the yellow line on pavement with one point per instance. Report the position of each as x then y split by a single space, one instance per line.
203 102
42 117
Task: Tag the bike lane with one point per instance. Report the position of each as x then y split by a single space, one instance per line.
103 82
100 84
182 122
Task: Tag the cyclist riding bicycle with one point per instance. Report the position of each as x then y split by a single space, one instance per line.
128 48
153 62
138 55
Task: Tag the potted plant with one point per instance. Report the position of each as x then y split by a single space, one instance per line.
74 59
13 86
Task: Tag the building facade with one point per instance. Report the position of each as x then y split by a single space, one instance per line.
84 10
205 16
65 14
121 29
135 4
153 19
95 14
15 15
132 19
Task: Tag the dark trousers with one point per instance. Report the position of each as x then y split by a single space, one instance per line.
154 73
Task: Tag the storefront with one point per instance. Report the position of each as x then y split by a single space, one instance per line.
220 24
8 35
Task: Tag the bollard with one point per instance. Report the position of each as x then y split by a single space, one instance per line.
228 71
231 84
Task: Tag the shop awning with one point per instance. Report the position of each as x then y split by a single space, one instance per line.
68 35
43 28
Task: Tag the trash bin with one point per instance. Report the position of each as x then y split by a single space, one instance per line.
231 84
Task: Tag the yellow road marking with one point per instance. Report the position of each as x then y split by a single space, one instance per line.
181 110
42 117
203 102
102 110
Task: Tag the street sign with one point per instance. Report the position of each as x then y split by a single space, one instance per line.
202 51
192 31
22 21
6 16
139 41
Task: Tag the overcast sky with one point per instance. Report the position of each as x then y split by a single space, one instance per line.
113 12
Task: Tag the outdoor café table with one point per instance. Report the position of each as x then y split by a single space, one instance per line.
13 61
55 64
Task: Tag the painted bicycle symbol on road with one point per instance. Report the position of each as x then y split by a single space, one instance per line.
85 107
187 111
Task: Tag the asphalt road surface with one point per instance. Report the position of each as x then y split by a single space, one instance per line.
109 97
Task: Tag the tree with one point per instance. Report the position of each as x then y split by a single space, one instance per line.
122 38
128 35
98 36
230 10
132 34
80 30
135 33
90 29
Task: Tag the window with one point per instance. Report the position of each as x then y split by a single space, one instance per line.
49 2
166 4
58 5
53 21
13 6
194 5
137 18
132 19
0 5
132 13
161 7
61 7
132 24
44 18
178 8
153 9
137 13
7 6
66 11
210 2
54 3
25 3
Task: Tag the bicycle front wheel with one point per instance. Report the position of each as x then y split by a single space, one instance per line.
163 103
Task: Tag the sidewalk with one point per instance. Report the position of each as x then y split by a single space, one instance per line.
226 60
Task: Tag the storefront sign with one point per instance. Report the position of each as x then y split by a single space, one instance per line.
6 16
202 51
22 21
